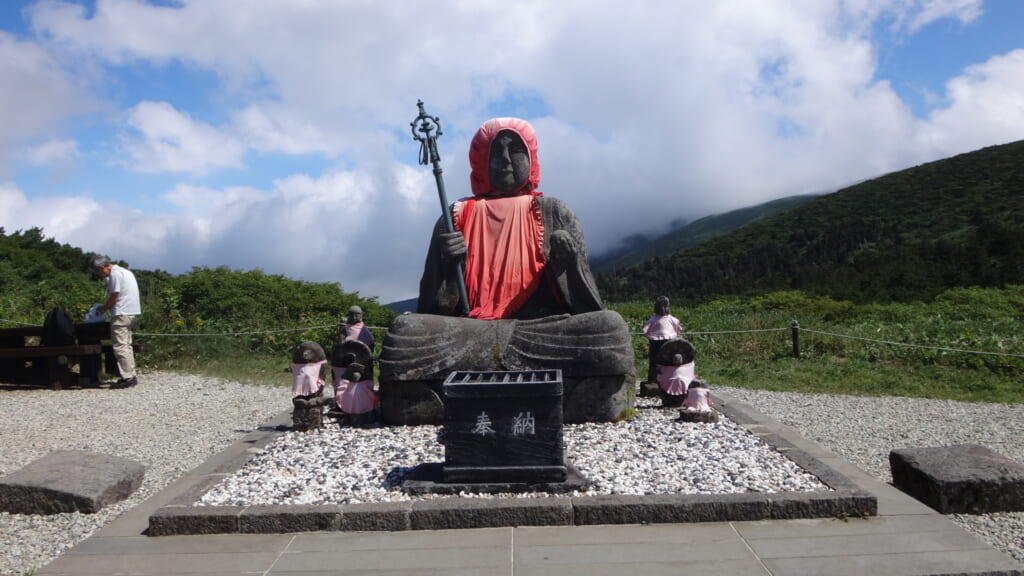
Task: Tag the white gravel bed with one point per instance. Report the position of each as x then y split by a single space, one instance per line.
652 453
146 423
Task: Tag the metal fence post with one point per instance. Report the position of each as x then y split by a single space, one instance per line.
795 326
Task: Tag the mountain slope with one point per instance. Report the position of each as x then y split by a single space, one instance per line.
697 232
906 235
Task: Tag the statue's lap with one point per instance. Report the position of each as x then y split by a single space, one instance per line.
593 351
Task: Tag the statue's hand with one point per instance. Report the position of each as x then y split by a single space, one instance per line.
453 246
562 250
354 372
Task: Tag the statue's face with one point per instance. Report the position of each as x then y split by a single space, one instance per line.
355 316
509 163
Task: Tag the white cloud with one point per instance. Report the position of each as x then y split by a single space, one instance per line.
52 152
986 107
655 111
171 141
39 95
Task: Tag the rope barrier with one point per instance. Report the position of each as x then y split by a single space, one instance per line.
802 329
241 333
904 344
725 332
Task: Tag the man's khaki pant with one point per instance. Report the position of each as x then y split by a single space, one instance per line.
121 340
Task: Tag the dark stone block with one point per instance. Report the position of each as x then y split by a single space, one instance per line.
503 426
649 389
490 513
597 398
384 516
285 519
412 403
70 481
666 508
181 520
790 505
966 478
427 479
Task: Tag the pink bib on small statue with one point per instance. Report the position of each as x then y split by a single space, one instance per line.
306 379
698 400
353 397
675 380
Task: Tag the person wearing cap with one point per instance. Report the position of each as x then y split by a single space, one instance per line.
124 305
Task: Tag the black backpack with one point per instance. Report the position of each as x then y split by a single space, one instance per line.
58 329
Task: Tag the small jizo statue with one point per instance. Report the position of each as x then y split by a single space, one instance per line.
674 380
697 405
660 328
676 369
309 369
354 329
352 368
698 398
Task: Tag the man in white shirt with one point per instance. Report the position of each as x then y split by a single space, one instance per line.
124 305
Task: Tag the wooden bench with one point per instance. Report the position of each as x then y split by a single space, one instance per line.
18 356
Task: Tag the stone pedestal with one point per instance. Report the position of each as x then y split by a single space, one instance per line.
698 417
308 413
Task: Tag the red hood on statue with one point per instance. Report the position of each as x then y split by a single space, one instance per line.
504 231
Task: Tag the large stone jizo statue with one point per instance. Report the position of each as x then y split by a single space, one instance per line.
533 302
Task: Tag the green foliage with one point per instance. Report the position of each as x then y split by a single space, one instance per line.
796 302
205 317
748 343
903 237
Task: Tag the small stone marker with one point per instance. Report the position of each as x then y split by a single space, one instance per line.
503 427
966 478
69 481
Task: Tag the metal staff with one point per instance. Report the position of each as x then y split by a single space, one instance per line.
427 124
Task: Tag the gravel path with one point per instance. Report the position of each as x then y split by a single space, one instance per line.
170 423
145 423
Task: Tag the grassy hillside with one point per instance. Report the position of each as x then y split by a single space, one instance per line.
904 236
697 232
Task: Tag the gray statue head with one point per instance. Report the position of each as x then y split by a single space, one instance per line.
355 315
661 306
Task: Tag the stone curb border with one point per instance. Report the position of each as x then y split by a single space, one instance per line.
180 517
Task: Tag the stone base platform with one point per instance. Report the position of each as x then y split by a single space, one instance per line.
961 479
698 417
846 499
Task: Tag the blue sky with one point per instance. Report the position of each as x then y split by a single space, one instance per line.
275 135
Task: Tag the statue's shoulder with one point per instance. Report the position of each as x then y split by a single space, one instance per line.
550 203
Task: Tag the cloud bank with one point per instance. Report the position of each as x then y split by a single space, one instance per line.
647 113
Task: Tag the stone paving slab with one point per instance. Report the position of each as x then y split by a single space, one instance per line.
69 481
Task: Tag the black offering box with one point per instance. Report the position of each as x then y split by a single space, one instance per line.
503 427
